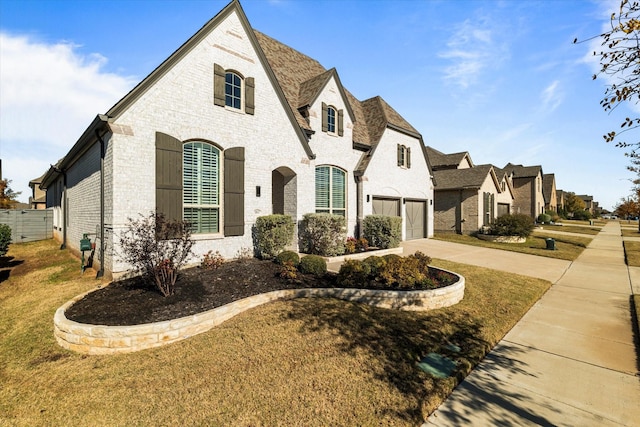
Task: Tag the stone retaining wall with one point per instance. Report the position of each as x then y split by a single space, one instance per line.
100 339
502 239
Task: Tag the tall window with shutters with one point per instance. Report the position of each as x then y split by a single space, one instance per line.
404 156
331 190
201 187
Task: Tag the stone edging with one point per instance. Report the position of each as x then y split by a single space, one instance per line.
363 255
502 239
100 339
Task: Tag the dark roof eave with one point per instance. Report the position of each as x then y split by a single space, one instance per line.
86 140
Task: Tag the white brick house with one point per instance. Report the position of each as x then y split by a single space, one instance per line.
232 126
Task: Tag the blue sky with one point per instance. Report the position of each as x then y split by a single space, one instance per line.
500 79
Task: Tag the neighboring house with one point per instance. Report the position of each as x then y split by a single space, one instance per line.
232 126
527 189
38 198
467 197
589 204
549 192
561 200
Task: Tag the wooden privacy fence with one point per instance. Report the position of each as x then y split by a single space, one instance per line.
28 225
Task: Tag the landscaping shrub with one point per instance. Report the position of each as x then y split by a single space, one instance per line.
288 257
156 248
272 234
212 261
5 239
350 245
544 218
512 225
354 274
390 257
403 273
362 245
554 216
323 234
288 272
375 264
582 215
382 231
313 264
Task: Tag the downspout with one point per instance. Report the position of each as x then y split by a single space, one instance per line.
64 212
102 245
359 205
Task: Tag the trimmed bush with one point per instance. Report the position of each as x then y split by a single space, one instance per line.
375 264
582 215
544 218
323 234
288 257
382 231
313 264
512 225
554 216
403 273
5 239
272 234
354 274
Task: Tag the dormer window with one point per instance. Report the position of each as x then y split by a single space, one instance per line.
404 156
232 90
332 120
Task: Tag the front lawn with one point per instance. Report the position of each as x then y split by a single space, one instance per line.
311 362
567 247
632 253
570 229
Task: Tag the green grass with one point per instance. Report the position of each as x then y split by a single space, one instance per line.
632 253
311 362
568 247
570 229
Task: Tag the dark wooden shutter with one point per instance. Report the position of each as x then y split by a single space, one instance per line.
325 118
399 155
168 176
340 122
234 191
249 95
408 157
218 85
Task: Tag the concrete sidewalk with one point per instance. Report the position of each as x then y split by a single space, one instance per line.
571 360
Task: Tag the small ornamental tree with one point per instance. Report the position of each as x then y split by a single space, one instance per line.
5 239
157 249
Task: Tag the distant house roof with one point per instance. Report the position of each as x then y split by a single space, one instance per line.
36 181
469 178
440 160
520 171
548 180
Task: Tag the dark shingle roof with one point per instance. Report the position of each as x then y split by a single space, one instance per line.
440 160
547 186
520 171
455 179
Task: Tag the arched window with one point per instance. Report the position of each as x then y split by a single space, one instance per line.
331 190
201 187
233 90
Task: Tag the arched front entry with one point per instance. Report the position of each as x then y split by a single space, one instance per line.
284 190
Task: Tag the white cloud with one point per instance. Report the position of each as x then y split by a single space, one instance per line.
50 93
552 96
471 50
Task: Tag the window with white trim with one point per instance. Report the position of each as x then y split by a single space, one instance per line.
201 187
331 190
233 90
404 156
331 120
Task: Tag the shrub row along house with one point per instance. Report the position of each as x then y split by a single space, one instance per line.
235 125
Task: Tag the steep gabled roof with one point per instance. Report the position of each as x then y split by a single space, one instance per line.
548 181
440 160
520 171
469 178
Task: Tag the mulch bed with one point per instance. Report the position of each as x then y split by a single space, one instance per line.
132 301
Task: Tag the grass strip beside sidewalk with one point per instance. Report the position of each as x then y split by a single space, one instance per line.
310 362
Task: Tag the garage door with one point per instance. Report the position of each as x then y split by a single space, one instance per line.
389 207
415 219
